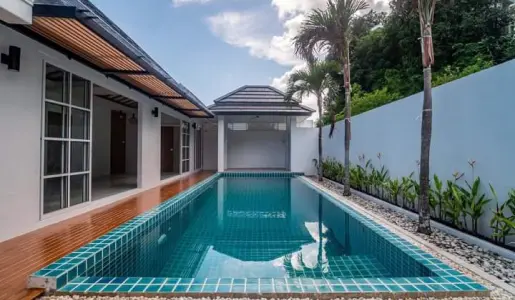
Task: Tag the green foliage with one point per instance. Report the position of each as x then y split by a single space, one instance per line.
468 36
450 202
437 196
452 205
394 189
474 202
501 224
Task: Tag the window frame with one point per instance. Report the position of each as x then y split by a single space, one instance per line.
185 148
67 140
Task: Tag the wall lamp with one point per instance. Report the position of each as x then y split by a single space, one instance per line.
12 59
155 112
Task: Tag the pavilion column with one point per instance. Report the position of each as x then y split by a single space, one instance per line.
221 144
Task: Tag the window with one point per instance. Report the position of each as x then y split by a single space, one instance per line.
66 142
185 147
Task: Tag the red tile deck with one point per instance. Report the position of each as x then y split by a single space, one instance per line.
23 255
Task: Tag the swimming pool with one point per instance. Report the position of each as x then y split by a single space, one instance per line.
268 233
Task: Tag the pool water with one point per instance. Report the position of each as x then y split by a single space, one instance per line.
258 227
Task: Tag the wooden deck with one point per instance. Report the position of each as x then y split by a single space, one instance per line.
23 255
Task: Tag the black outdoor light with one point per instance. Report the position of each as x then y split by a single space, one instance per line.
155 112
12 59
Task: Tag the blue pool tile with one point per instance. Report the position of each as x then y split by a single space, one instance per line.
295 288
395 288
225 288
266 288
338 288
209 288
166 288
124 288
68 287
181 288
138 288
145 280
211 281
238 288
238 281
225 281
110 288
252 288
82 288
132 280
153 288
352 288
195 288
410 288
309 288
366 288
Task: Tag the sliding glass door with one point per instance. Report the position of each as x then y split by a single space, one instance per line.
66 140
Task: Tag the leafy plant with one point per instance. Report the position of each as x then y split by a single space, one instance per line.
394 188
408 193
502 225
437 196
474 202
452 203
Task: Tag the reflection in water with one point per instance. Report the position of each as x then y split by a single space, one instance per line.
260 227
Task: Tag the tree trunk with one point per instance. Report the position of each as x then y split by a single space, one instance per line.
346 78
424 225
320 169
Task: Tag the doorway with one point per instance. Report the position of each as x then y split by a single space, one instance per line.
118 136
170 146
115 143
167 149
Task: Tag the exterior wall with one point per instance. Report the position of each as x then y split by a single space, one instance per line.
472 119
304 149
20 109
256 149
210 149
16 11
101 138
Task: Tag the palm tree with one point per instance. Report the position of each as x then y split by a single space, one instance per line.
314 80
330 29
426 10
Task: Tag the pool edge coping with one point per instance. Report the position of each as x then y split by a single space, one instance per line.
414 239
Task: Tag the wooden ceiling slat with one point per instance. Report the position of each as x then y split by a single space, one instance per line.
74 48
183 104
77 38
68 41
72 34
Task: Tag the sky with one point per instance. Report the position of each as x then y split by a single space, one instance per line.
215 46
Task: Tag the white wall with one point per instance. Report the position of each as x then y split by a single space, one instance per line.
256 149
472 119
210 148
20 153
101 138
304 148
16 11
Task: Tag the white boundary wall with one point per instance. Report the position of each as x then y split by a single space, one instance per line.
472 119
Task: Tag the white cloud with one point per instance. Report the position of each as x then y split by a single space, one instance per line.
247 30
178 3
288 8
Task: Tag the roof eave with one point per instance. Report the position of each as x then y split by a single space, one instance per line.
72 12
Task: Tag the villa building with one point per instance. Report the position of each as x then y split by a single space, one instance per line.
88 118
